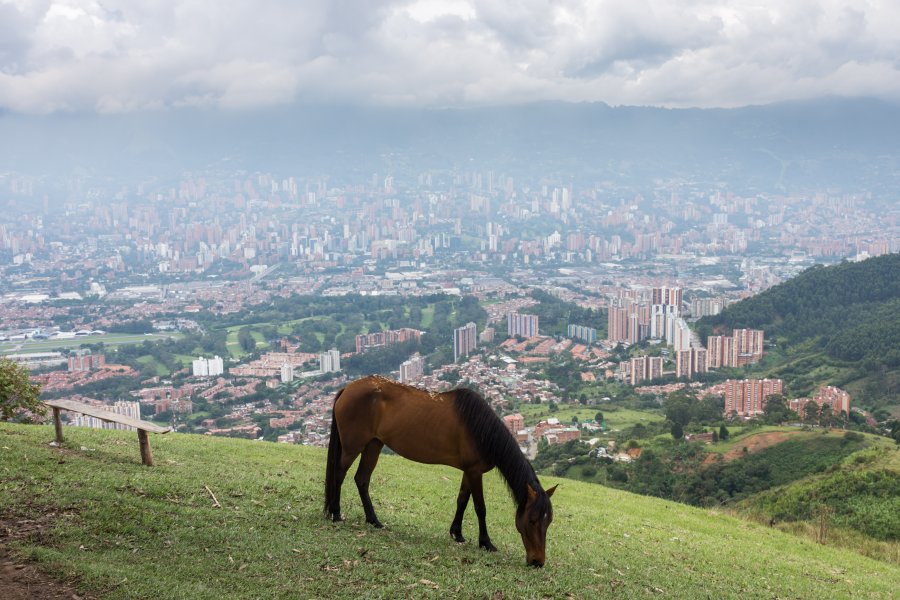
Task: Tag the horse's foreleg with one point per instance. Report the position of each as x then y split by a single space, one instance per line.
364 475
461 502
484 540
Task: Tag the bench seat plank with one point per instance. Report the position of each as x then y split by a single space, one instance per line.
105 415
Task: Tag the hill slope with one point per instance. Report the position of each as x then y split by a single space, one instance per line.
858 497
132 532
835 325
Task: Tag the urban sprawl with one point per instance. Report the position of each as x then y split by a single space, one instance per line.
145 263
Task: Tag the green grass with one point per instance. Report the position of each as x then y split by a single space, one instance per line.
856 503
128 531
187 360
738 435
620 418
159 368
427 317
110 339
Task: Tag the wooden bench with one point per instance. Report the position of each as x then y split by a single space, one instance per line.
109 417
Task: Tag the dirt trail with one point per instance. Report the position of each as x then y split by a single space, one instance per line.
23 580
753 443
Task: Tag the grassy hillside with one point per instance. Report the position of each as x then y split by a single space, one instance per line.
133 532
857 498
833 325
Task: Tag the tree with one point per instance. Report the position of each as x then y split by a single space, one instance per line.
598 417
895 431
715 436
776 410
678 409
677 431
810 413
245 339
723 432
17 393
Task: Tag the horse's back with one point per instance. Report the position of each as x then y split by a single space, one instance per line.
416 424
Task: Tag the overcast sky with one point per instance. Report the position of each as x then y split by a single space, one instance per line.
124 55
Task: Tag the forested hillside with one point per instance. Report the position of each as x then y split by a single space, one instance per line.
834 325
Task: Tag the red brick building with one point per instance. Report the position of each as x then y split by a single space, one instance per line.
835 397
747 397
515 423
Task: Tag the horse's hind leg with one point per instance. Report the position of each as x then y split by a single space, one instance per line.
461 502
364 474
348 455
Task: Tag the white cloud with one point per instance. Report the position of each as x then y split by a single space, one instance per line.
121 55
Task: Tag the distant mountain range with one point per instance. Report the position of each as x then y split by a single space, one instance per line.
837 325
849 144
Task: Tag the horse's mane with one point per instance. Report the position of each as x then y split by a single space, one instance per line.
494 442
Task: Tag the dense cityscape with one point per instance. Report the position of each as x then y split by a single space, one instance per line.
159 263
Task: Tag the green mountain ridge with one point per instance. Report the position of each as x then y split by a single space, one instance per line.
835 325
127 531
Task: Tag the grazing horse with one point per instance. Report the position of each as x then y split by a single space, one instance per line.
456 428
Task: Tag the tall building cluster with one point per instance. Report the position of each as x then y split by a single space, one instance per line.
747 397
121 407
83 360
706 307
378 339
743 347
634 316
835 397
413 369
628 320
330 361
465 340
643 368
691 361
667 296
518 324
582 333
208 367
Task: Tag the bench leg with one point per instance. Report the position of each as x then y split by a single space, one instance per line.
57 423
146 453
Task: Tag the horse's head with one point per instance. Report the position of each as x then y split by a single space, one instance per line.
532 520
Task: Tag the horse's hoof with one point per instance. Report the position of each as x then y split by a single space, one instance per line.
488 546
337 518
376 524
458 538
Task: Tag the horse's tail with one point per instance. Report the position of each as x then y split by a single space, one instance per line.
333 463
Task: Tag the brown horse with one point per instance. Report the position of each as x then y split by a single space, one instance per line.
456 428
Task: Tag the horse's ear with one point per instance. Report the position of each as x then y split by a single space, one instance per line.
531 493
551 490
